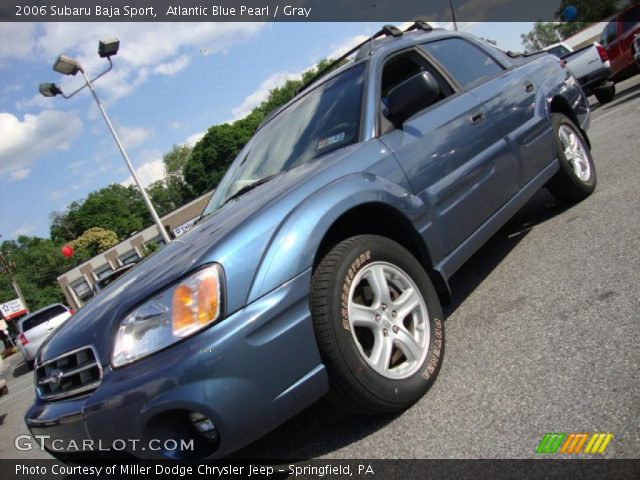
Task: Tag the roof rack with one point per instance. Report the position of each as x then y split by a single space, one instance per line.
420 23
386 31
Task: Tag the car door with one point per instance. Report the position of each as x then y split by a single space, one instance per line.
509 95
452 154
628 27
608 39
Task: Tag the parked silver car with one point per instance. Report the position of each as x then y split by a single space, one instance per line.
37 326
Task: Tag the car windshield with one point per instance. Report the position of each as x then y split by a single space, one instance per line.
325 119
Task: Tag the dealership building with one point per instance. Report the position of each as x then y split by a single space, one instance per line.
78 283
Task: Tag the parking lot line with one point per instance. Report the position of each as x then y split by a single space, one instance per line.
13 394
614 111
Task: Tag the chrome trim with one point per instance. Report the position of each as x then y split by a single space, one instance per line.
75 391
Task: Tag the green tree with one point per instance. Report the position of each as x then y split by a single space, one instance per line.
213 154
175 159
116 207
172 191
38 264
542 35
94 241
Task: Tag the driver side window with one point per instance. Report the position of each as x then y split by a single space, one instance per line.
400 68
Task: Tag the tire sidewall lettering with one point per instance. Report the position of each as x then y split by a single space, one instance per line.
360 261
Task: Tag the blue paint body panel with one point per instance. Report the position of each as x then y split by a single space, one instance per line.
456 181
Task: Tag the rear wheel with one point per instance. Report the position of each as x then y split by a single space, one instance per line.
605 94
378 323
576 179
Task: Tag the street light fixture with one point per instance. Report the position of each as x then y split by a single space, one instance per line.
49 89
69 66
108 47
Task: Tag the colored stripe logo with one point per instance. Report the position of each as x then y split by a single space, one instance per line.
573 443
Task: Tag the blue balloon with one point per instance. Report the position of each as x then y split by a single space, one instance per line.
570 13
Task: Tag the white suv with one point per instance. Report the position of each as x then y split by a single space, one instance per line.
37 326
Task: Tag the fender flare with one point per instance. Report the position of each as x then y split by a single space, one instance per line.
294 244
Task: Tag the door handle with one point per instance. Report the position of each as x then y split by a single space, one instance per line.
476 117
528 87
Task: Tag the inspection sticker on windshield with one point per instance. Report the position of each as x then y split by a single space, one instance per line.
331 140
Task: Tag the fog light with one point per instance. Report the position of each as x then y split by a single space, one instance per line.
204 426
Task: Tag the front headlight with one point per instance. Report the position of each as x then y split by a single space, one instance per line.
170 316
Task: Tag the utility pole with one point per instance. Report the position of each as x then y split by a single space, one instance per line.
7 266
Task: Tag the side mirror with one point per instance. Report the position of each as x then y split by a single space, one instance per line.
412 95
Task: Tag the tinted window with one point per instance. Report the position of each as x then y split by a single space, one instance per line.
630 19
325 119
41 317
82 289
466 63
103 271
129 257
608 34
402 67
559 51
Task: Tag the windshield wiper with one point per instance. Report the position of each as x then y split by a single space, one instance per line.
202 216
248 188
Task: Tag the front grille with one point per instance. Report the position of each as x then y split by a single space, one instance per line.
72 373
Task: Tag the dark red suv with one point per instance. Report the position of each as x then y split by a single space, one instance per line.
617 37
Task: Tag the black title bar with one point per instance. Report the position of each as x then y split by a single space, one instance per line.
293 10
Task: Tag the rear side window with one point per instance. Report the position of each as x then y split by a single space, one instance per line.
559 51
465 62
608 34
41 317
630 19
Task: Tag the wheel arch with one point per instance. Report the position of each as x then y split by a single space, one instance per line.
346 207
382 219
560 104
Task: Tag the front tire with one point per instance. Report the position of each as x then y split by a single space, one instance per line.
576 179
378 323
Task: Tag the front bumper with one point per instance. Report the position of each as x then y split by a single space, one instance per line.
248 374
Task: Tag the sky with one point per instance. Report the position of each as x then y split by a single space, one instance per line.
170 82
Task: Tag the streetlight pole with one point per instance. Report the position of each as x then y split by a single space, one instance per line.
69 66
147 200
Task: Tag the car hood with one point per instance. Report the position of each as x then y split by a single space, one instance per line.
235 236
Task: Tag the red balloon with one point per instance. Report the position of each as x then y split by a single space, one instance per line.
67 251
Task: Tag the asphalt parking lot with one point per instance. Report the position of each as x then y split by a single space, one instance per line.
542 335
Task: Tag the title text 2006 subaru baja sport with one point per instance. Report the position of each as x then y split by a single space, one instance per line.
324 254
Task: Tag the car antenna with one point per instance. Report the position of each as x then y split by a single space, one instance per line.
386 31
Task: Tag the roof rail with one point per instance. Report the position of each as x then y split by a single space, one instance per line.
420 23
386 31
